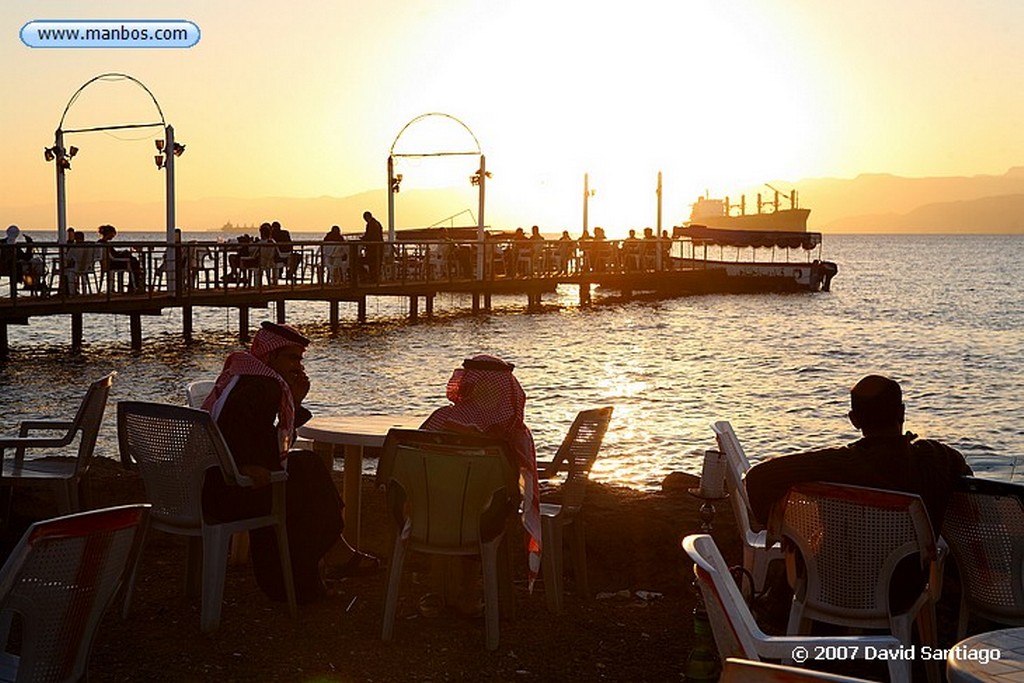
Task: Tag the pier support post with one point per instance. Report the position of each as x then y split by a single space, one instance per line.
281 318
627 294
414 308
430 305
361 312
584 294
333 306
186 323
135 325
76 332
476 302
243 324
487 302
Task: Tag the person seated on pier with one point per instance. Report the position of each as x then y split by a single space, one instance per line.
257 403
287 257
19 261
486 398
666 251
602 251
121 259
885 458
334 235
586 244
631 251
649 250
566 252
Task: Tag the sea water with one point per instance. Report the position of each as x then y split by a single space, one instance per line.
943 315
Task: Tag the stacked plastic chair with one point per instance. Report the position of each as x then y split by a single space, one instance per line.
56 586
984 527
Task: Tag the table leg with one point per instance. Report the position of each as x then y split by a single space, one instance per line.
353 493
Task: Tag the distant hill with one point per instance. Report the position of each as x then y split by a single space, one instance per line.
867 203
1003 214
888 203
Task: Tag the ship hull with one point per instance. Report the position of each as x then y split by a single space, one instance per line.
783 220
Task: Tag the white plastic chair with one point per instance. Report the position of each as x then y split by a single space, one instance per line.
758 553
196 392
843 546
58 582
737 633
336 264
173 447
984 527
576 455
64 477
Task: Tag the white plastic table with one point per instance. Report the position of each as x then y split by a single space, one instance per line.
355 432
975 658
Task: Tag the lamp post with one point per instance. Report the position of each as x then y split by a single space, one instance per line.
587 194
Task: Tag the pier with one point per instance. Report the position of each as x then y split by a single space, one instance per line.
90 278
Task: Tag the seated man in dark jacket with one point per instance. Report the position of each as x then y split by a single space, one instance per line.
885 458
257 403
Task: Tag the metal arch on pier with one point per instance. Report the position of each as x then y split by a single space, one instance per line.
112 76
421 117
169 151
479 178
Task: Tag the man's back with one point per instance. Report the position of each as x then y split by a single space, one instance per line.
925 467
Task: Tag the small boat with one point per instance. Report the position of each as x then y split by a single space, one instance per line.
771 215
751 275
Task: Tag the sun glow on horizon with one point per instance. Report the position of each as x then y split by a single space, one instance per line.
719 96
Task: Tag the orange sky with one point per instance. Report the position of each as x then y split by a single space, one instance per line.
719 94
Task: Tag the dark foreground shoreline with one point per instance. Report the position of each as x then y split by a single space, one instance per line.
632 545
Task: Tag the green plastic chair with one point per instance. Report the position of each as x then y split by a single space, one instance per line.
450 497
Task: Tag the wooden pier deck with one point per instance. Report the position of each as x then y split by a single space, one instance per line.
220 275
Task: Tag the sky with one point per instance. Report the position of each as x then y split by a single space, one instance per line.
306 99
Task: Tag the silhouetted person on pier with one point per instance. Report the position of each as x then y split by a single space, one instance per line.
121 259
286 255
374 247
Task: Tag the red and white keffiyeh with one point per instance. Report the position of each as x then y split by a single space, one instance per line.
254 363
487 398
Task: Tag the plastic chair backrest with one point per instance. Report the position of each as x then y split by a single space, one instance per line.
173 447
850 539
89 418
579 450
734 627
984 527
61 578
196 392
736 468
455 499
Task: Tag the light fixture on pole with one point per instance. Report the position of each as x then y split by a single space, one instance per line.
161 159
474 179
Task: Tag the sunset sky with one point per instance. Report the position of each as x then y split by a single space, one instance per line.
718 94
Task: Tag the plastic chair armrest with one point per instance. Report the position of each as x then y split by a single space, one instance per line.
547 468
27 425
20 443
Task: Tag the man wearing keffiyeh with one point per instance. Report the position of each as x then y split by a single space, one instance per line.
488 399
257 403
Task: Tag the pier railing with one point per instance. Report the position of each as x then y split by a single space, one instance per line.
195 269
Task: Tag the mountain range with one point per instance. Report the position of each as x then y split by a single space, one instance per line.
872 203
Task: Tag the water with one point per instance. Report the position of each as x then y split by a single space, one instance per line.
943 315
